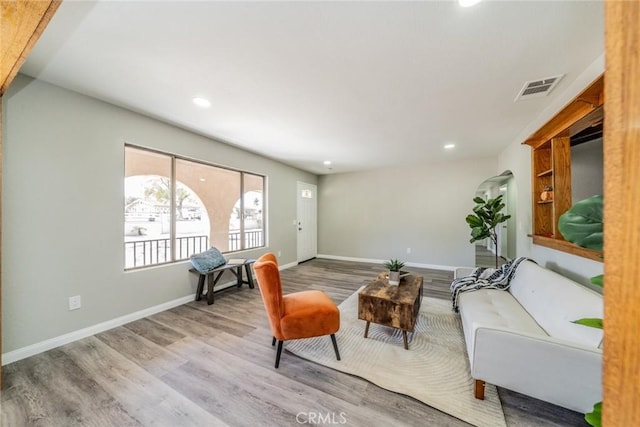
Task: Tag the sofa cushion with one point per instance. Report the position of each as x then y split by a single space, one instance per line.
554 301
491 308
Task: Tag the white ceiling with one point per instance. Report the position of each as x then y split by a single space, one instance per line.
365 85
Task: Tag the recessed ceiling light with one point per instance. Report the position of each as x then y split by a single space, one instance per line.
468 3
327 162
450 146
201 102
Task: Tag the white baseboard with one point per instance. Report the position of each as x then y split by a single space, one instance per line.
285 266
382 261
41 347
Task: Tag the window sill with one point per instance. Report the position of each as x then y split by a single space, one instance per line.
568 247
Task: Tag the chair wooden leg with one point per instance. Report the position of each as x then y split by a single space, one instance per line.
335 346
479 389
278 354
273 341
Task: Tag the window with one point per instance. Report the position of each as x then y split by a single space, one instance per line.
175 208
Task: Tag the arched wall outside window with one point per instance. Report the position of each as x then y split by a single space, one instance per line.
203 202
247 220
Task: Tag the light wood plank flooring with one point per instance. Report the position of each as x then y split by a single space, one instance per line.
486 258
200 365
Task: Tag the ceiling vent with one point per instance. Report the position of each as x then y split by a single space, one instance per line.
538 88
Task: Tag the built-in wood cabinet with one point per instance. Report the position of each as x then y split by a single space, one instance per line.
551 185
551 167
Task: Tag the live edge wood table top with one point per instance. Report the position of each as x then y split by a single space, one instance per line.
394 306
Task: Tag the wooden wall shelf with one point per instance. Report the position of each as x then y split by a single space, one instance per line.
570 118
564 246
551 167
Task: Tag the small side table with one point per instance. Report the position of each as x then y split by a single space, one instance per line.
393 306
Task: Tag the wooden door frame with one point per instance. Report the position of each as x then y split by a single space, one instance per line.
621 362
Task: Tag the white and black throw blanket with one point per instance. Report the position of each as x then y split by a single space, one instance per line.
485 278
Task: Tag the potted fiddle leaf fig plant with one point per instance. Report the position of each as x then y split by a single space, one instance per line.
583 225
484 220
394 266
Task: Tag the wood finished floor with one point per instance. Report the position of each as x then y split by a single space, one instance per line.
486 258
200 365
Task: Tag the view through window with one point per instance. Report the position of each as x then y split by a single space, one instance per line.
175 208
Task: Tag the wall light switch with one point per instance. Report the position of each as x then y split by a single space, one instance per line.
75 302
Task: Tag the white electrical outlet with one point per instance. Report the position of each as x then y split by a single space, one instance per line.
279 254
408 250
75 302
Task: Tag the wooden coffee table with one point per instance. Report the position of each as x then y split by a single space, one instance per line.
394 306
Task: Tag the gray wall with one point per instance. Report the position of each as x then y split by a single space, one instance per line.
63 209
379 214
587 170
63 166
517 158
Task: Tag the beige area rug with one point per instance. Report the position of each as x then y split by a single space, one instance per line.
435 369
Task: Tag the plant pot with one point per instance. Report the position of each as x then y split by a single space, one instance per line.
394 278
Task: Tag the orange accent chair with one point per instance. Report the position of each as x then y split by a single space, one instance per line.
298 315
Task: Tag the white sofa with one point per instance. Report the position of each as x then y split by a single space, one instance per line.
523 339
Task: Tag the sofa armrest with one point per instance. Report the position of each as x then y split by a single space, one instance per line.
462 272
566 374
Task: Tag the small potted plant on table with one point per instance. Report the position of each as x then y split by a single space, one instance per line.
394 266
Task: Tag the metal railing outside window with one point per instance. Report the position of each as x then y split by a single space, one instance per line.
157 251
252 239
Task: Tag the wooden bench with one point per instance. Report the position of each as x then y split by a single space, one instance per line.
214 275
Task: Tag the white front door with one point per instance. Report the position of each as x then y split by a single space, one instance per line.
306 224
